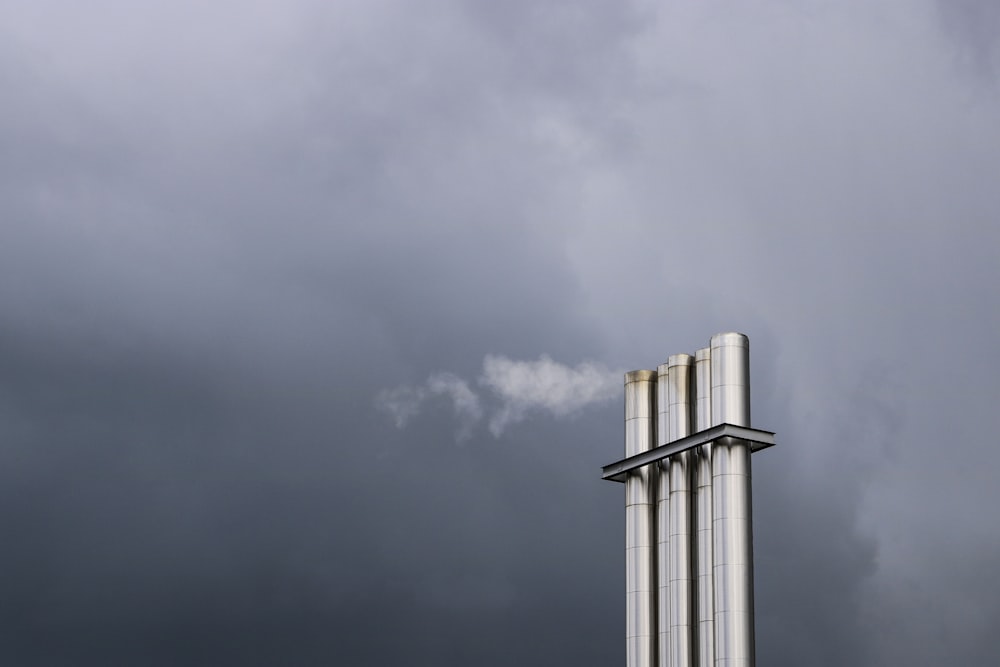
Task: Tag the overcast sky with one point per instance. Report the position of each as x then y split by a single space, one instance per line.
308 312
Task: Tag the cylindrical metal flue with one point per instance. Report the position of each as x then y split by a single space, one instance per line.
640 516
689 544
663 522
703 512
679 376
731 504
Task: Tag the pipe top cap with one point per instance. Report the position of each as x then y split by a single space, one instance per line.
640 376
730 339
704 354
680 360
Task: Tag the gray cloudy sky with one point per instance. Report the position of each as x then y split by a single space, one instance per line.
233 235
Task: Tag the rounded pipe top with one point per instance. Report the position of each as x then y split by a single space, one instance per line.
730 339
704 354
640 376
679 360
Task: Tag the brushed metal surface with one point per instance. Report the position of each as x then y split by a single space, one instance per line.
680 374
640 518
704 563
663 523
679 378
662 405
730 359
730 460
663 565
703 388
637 402
732 536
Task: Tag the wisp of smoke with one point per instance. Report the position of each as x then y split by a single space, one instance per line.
403 403
464 401
544 385
517 388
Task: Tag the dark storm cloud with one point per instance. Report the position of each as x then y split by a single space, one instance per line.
225 230
199 308
974 26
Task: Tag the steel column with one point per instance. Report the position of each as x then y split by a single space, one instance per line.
640 515
679 376
731 504
703 512
688 507
663 522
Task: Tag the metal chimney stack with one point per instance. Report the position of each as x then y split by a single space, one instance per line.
689 530
640 508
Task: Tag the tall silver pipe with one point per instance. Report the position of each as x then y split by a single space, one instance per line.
731 504
704 598
663 522
640 516
682 580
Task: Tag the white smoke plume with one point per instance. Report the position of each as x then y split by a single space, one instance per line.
404 403
464 401
401 403
546 386
515 390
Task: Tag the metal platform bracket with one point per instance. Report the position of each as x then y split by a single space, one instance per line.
618 471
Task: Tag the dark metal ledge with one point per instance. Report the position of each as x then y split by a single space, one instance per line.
617 472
